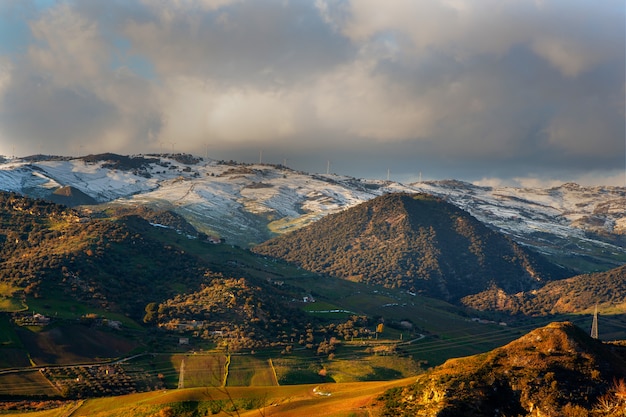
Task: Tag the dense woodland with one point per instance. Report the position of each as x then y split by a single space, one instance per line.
237 314
111 263
47 249
416 242
570 295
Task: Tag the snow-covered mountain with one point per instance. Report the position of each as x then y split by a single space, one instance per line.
582 227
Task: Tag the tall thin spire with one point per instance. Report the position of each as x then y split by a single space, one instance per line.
594 325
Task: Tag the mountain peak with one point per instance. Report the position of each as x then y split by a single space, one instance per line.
414 241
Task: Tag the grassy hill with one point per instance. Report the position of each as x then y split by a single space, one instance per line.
556 370
416 242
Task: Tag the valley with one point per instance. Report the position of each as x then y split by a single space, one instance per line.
168 285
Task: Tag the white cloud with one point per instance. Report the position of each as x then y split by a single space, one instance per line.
460 27
252 115
199 112
355 100
565 55
565 34
69 48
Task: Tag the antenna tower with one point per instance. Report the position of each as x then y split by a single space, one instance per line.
181 376
594 324
327 167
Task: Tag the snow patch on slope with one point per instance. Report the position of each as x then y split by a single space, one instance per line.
249 203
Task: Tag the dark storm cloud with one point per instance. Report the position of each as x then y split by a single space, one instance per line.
53 107
490 90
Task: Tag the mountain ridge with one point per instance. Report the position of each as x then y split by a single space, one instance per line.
580 227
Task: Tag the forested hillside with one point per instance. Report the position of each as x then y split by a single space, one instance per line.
417 242
572 295
53 256
49 250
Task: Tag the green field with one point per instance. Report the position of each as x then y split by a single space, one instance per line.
201 370
8 302
8 338
436 332
245 371
370 368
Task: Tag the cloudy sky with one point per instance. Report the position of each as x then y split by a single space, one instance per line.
519 92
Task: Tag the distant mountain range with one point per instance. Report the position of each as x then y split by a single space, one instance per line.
579 227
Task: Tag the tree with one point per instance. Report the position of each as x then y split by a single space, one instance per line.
151 313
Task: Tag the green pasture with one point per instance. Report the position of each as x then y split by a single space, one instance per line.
200 370
57 305
11 305
247 370
301 368
8 337
370 368
286 401
8 302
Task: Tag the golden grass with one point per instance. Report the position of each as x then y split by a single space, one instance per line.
7 289
326 400
11 305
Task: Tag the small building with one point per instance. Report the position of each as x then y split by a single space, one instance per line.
183 341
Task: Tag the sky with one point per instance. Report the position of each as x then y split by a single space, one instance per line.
494 92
